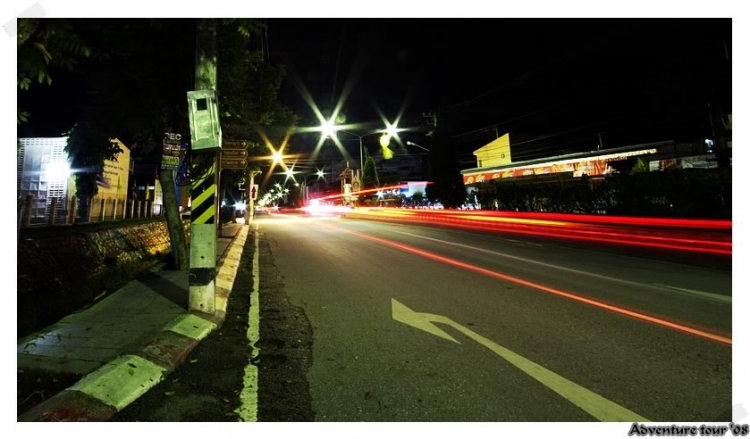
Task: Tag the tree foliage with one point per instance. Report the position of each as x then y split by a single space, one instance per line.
88 161
249 87
45 44
696 193
447 186
135 91
370 172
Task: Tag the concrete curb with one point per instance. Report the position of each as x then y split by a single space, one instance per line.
110 388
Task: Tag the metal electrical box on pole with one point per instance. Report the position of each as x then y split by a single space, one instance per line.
205 140
203 111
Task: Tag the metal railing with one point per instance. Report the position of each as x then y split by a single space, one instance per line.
62 211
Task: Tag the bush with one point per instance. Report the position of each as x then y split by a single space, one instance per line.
696 193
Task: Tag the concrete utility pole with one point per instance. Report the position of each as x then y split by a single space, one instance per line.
202 279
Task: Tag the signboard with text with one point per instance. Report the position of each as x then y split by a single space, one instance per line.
234 154
171 150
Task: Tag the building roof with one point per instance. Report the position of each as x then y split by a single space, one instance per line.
573 156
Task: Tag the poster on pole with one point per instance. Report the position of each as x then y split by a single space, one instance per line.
171 149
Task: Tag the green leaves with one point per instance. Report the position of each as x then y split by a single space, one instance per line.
43 44
23 83
40 47
21 116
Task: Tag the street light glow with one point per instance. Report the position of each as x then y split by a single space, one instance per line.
328 128
277 157
290 174
391 130
57 171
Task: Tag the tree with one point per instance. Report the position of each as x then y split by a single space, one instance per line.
133 98
45 44
447 186
88 150
418 198
249 92
370 172
136 91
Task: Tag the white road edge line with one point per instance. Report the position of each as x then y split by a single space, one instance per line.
248 409
652 286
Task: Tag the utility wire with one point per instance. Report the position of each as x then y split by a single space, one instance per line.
597 91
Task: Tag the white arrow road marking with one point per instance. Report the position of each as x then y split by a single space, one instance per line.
590 402
248 410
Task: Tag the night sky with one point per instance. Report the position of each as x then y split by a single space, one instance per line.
555 82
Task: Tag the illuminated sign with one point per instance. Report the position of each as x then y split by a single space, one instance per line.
591 166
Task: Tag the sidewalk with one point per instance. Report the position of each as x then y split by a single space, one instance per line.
145 321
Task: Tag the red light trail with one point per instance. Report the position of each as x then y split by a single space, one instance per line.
634 232
554 291
365 191
604 219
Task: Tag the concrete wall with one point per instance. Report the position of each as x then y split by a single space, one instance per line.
59 273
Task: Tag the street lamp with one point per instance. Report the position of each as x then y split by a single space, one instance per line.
328 128
384 138
409 142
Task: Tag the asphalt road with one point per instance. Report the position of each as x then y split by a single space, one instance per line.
522 351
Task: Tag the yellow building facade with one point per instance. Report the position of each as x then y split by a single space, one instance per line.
495 153
115 175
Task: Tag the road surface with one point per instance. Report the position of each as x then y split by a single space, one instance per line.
419 323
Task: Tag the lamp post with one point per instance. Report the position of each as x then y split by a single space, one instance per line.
409 142
304 186
328 129
361 147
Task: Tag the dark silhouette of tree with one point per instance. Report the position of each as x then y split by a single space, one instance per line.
45 44
370 172
136 85
249 95
447 186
